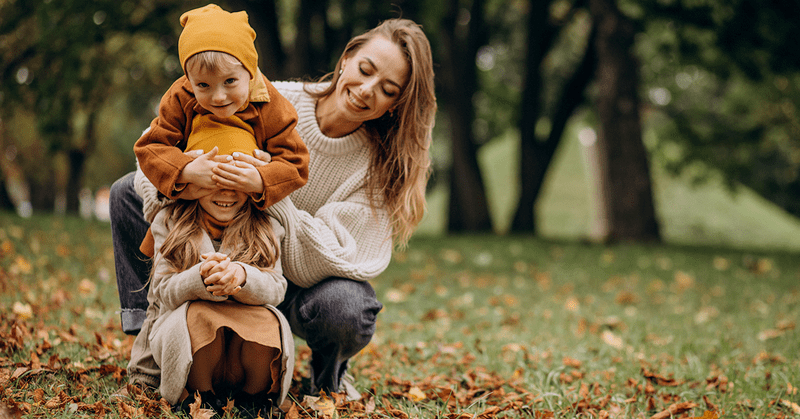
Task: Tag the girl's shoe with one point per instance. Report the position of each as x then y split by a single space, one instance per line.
209 401
254 405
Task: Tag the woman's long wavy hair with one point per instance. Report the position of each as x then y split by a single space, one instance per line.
400 166
250 234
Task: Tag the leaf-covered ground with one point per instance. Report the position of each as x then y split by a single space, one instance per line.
473 327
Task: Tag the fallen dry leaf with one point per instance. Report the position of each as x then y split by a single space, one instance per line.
660 380
22 310
683 281
791 405
708 414
572 304
197 412
770 334
674 410
86 287
611 339
323 405
416 395
570 362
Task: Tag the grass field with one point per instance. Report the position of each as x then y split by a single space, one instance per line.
487 326
475 326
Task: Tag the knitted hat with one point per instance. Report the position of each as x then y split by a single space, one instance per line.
210 28
228 134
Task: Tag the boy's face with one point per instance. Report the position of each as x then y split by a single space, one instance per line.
221 92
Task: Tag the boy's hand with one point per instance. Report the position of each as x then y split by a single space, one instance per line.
238 175
193 192
199 172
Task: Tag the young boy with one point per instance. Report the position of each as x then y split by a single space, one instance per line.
222 86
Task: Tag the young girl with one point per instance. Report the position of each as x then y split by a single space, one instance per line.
211 325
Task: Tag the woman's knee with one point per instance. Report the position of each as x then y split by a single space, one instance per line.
348 309
123 197
121 187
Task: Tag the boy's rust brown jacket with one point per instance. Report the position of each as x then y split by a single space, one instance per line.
273 118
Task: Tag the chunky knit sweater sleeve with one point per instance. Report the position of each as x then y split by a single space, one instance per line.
342 239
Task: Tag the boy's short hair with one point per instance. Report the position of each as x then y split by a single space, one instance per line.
212 61
210 28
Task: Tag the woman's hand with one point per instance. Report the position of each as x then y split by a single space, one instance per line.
220 276
258 159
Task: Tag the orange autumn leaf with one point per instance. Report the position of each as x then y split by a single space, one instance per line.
791 405
196 411
416 395
674 410
708 414
660 380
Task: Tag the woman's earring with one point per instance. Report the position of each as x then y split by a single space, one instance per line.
341 70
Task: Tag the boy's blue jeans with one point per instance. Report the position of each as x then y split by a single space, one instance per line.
336 317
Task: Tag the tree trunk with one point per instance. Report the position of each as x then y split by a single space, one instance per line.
307 59
468 208
43 189
5 199
536 155
264 20
623 158
77 160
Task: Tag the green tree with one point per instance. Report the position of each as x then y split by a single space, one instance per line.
61 63
723 81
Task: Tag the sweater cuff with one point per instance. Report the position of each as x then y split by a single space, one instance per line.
144 379
152 199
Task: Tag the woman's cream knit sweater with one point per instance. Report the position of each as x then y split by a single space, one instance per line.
331 229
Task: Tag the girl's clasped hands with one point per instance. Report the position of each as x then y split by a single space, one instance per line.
220 275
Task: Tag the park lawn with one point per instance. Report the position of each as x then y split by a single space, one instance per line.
704 214
472 326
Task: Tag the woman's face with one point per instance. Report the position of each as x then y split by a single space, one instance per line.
372 80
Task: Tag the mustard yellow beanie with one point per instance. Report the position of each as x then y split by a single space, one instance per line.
229 135
210 28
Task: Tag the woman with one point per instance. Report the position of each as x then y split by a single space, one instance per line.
368 127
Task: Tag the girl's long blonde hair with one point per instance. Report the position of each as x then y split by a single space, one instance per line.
400 166
249 234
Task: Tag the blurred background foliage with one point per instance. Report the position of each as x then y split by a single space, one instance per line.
703 90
